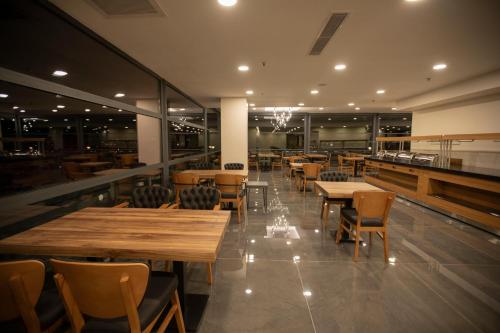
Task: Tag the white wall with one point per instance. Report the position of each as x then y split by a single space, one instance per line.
234 130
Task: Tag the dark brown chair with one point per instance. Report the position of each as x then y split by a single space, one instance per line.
117 297
25 306
370 213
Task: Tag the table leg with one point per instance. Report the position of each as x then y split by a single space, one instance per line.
264 194
345 235
248 197
193 305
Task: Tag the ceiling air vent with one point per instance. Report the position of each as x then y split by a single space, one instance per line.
121 8
327 33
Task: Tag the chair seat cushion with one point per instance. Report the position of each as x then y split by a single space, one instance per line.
161 286
231 195
351 216
49 309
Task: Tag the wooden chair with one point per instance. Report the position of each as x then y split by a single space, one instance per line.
231 188
253 162
326 163
125 297
199 197
182 181
24 305
277 162
370 214
311 173
128 160
345 166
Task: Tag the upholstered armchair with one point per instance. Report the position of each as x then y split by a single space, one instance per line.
149 197
199 197
233 166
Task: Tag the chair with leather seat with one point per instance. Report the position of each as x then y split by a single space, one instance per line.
345 166
184 180
370 213
231 189
331 176
233 166
201 166
310 173
149 197
117 297
200 197
25 305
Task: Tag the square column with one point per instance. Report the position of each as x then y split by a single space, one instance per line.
234 131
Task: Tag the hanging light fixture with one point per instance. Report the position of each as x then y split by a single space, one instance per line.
281 117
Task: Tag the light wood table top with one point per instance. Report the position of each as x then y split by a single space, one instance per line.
343 190
318 156
212 173
294 165
353 158
136 233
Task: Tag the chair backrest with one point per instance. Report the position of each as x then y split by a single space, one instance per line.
150 196
21 283
373 204
311 169
201 166
186 179
100 290
199 197
333 176
229 183
233 166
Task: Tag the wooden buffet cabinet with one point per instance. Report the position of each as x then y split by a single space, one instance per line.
475 196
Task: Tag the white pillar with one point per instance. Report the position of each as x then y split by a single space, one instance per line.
234 131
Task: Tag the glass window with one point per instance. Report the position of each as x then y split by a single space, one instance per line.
185 140
395 124
39 43
182 110
48 139
262 136
339 133
213 126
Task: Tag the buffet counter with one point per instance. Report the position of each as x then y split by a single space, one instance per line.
473 193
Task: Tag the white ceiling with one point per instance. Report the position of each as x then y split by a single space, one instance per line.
388 44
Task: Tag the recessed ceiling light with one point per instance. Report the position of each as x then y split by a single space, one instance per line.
354 118
249 92
59 73
300 104
4 95
394 109
22 111
439 67
119 94
54 110
110 119
227 3
87 110
307 292
254 109
351 104
405 118
247 291
120 110
329 118
252 104
357 108
321 108
243 68
104 107
314 92
65 119
182 109
380 91
340 67
344 126
61 106
15 107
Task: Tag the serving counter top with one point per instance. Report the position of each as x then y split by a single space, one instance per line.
477 172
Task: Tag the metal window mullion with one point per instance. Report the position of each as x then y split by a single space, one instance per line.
55 88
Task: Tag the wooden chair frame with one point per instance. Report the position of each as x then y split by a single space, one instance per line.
363 201
132 286
182 181
309 168
343 167
227 183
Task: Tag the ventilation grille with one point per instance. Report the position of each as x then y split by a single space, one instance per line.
327 33
111 8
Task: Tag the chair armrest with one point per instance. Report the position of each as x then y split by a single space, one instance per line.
164 206
122 205
217 207
174 206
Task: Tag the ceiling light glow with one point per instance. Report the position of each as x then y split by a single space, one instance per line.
4 95
314 92
59 73
439 67
119 95
351 104
243 68
249 92
340 67
380 91
227 3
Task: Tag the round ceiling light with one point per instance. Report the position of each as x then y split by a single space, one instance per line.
380 91
249 92
439 67
243 68
314 92
227 3
59 73
340 67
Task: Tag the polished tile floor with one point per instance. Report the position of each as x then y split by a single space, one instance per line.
443 276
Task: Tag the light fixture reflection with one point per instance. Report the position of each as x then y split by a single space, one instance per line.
227 3
59 73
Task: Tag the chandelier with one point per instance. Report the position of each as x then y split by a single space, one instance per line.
281 117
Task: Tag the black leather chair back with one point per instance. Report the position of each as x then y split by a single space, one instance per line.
233 166
333 176
150 196
199 197
201 166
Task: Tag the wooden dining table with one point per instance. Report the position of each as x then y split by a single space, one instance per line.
210 174
316 156
178 235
